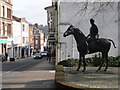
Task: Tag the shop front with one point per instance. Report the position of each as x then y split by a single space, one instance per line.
3 45
52 47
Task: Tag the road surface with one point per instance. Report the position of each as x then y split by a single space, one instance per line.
28 73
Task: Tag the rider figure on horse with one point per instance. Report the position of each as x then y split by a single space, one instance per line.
93 32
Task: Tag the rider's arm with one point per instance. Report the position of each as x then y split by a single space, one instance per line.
97 36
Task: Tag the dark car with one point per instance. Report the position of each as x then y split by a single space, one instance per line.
2 58
37 56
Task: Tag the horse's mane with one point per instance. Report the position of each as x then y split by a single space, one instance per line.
77 29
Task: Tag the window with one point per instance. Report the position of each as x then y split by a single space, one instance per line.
3 11
36 46
36 41
51 15
56 5
44 37
23 40
9 29
34 31
23 27
8 13
3 25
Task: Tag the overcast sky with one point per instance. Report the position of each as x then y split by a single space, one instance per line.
32 10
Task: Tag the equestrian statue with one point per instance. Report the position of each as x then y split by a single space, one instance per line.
90 44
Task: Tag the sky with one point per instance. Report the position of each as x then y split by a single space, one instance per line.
32 10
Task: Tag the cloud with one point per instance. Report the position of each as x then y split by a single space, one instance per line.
32 10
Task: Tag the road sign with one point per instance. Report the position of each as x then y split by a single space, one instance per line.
3 41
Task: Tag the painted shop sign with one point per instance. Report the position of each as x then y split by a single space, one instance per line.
3 41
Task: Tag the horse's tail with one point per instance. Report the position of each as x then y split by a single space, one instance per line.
112 42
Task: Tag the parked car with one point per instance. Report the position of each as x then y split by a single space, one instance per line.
37 56
44 54
2 58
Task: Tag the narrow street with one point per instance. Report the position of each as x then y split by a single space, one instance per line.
28 73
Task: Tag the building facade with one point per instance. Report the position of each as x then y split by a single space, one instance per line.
79 14
14 50
36 38
20 42
5 25
31 38
42 41
52 31
44 30
25 38
39 39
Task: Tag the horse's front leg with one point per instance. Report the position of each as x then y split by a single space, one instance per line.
79 65
84 62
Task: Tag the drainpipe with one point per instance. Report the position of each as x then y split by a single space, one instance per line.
58 26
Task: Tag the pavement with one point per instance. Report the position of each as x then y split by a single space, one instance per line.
41 75
92 79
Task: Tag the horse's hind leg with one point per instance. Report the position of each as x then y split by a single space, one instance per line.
84 62
103 57
106 57
79 65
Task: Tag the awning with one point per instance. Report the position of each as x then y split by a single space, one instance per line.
25 49
51 37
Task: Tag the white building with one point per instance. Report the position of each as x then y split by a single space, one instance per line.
17 37
42 41
78 14
21 47
25 38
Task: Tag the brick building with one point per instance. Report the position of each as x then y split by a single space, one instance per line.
5 25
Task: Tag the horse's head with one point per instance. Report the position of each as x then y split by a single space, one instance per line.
69 31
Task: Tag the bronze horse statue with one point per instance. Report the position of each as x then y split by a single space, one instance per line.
102 45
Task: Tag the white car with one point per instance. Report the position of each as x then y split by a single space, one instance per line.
37 56
2 57
44 53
